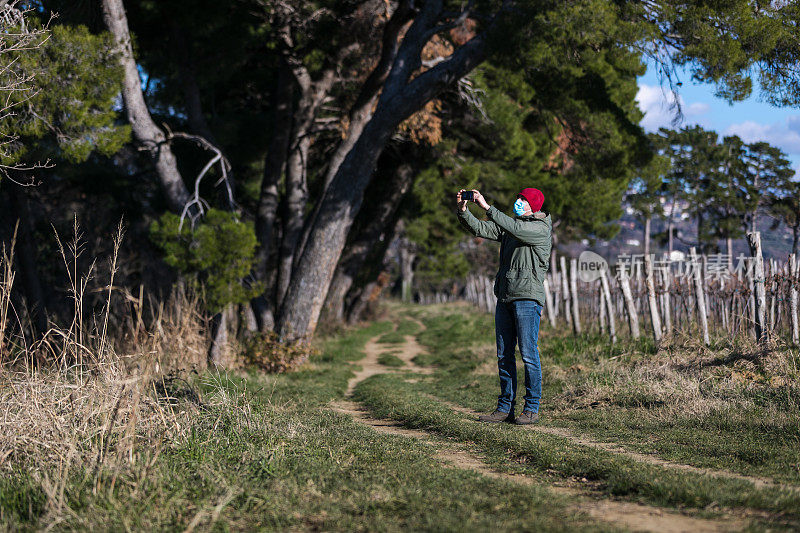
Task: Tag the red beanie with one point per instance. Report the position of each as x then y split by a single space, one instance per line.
534 197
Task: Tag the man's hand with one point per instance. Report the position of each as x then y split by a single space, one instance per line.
462 204
480 200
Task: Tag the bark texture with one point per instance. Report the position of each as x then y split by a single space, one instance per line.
146 133
399 99
373 223
274 163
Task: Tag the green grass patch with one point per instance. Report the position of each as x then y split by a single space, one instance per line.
626 393
389 359
404 327
532 451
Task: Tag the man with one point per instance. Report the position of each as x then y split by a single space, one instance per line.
525 243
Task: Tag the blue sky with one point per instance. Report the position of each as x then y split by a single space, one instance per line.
752 120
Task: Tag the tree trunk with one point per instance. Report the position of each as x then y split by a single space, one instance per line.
267 209
146 133
700 231
191 91
293 210
358 298
193 105
371 225
729 245
219 337
647 235
554 275
655 320
795 238
754 239
407 257
399 99
361 111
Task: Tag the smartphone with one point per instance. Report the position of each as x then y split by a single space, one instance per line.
468 195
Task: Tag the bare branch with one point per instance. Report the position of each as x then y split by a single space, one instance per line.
195 207
16 84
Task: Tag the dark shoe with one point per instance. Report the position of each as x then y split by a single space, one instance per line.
497 416
527 417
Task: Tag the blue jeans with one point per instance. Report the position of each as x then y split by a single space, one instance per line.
518 322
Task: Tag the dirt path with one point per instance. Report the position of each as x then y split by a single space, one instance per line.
636 517
758 482
373 349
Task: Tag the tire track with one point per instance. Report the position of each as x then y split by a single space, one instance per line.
634 516
758 482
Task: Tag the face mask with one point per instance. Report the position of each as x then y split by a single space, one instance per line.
519 207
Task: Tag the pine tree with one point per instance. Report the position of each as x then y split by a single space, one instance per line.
645 193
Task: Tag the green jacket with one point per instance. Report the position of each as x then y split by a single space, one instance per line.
525 244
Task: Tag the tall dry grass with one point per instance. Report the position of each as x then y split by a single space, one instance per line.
685 378
93 399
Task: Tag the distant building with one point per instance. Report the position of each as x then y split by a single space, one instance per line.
677 255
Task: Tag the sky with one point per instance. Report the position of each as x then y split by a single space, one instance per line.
752 120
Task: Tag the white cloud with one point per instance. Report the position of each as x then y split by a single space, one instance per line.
697 108
656 104
784 134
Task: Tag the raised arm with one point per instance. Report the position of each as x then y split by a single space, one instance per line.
529 232
480 228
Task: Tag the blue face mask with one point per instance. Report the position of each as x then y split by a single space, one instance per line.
519 207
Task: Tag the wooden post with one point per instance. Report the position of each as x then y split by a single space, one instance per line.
548 297
556 282
751 302
700 295
754 239
703 278
602 309
612 330
565 290
772 294
573 289
666 275
491 301
630 306
794 268
651 297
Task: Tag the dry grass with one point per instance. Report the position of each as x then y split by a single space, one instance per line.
93 399
683 378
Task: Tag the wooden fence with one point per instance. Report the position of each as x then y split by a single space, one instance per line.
707 294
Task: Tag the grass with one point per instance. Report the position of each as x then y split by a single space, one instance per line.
404 327
389 359
683 404
243 450
544 454
654 401
265 452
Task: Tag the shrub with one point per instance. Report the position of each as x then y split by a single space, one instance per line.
266 352
219 252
